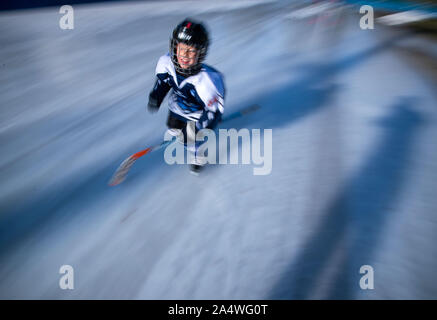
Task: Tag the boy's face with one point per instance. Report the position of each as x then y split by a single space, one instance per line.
187 55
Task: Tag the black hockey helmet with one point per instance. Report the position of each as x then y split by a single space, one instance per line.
193 34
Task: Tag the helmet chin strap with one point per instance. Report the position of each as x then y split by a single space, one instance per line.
188 71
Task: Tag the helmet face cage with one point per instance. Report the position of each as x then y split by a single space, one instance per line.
200 44
200 56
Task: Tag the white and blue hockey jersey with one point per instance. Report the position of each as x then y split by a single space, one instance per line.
199 97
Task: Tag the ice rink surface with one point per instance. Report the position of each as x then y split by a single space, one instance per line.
354 174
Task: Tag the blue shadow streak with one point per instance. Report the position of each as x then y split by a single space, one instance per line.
357 216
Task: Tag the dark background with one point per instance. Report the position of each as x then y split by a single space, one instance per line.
27 4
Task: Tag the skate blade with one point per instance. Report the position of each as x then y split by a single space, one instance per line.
194 173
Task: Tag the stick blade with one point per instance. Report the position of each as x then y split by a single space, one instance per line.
121 172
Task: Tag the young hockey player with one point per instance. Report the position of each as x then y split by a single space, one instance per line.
197 89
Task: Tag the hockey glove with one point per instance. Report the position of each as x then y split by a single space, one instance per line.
153 105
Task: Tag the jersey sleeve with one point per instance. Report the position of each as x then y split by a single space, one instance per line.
162 85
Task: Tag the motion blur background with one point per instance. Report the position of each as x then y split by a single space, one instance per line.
354 173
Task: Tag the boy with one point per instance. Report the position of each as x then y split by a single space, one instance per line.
198 89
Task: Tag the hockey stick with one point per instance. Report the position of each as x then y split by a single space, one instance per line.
122 171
